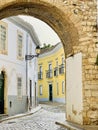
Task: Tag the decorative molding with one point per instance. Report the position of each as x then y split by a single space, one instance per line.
25 26
52 51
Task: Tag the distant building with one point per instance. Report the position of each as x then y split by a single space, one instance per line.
51 74
18 77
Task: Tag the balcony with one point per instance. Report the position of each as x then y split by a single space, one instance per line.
40 75
56 71
61 69
49 74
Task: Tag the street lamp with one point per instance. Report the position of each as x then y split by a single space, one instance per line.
30 57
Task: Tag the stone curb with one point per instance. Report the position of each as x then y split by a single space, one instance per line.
34 110
73 126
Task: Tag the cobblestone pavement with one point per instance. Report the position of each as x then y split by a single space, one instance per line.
44 119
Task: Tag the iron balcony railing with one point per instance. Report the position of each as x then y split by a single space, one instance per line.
61 69
56 71
40 75
49 74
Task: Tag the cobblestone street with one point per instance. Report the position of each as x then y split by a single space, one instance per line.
44 119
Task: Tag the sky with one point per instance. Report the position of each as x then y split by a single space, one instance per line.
45 33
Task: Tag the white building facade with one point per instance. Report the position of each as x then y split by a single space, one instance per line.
18 77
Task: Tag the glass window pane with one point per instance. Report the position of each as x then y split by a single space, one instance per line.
20 42
19 86
2 37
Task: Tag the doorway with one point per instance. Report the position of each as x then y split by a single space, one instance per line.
30 93
1 93
50 92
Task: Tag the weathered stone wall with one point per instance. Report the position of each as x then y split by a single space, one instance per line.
75 21
89 47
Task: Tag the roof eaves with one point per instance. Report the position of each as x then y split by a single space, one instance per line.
25 26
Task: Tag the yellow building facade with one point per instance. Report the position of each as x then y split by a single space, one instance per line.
51 75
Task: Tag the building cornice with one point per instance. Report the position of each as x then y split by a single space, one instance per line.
25 26
56 48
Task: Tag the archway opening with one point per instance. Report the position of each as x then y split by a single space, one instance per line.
55 70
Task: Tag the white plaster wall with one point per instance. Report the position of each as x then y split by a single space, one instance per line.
32 68
14 67
12 41
13 70
74 88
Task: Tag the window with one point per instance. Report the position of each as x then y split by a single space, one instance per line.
3 38
40 90
56 63
50 66
61 67
56 69
63 85
40 69
40 76
49 71
20 45
62 60
57 89
19 85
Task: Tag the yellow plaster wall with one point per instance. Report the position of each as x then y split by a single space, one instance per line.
44 61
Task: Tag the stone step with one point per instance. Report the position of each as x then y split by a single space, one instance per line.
73 126
2 116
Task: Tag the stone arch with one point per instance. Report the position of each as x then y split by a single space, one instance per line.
64 21
50 13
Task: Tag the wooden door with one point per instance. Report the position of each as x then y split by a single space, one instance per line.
1 93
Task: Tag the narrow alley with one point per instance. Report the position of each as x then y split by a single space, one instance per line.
44 119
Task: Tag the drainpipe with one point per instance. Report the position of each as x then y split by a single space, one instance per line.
27 91
36 80
35 95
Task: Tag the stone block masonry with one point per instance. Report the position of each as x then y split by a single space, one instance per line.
75 22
